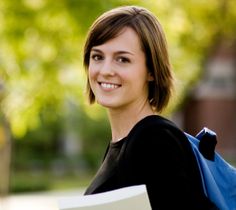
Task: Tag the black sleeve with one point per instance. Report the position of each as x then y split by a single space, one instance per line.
161 158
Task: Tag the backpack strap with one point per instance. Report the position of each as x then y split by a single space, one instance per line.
218 176
207 144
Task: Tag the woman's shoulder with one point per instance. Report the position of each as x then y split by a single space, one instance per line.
157 136
157 130
156 123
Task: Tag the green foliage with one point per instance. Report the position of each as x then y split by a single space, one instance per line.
29 183
96 137
38 146
39 62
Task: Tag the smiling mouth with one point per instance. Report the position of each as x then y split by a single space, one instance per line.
109 86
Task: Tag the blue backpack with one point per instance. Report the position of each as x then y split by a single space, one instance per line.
218 176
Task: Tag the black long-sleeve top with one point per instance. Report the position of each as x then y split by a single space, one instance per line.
155 153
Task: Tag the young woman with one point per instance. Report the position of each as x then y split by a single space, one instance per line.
128 72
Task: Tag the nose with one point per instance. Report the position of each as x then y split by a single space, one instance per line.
107 68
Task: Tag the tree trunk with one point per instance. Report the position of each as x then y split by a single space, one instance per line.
5 157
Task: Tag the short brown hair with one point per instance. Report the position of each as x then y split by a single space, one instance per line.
153 43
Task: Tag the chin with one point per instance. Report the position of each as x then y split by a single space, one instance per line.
107 104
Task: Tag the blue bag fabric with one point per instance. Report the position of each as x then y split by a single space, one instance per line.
218 176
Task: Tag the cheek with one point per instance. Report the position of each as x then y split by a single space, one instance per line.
92 76
91 73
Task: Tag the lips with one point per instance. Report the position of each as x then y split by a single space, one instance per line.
109 86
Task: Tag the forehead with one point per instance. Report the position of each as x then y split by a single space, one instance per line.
126 40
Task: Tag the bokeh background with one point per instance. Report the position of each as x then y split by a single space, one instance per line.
50 138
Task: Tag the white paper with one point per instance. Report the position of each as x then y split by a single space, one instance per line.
127 198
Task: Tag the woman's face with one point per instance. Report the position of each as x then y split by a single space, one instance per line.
118 75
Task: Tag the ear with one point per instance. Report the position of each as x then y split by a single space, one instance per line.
150 77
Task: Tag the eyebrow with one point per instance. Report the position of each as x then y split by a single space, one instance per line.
116 52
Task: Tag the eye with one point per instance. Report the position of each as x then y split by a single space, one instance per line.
123 60
96 57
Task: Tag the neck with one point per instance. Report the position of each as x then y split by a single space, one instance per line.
123 120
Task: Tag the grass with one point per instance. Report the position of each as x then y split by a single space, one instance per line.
70 182
24 181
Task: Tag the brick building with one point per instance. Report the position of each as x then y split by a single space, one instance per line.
212 103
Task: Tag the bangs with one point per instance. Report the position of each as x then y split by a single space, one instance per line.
108 29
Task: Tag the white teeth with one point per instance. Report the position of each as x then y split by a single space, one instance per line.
109 86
